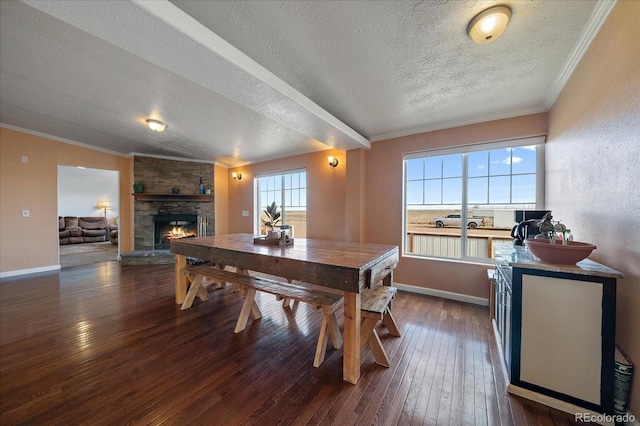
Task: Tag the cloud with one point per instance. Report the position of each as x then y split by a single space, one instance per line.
514 160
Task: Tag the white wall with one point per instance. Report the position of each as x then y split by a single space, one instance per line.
80 191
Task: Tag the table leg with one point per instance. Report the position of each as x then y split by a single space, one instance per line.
352 320
181 278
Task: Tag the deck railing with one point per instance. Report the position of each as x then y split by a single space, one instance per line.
448 245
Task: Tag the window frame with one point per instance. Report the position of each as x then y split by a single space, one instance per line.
257 208
538 141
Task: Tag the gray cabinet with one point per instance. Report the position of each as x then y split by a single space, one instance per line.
502 314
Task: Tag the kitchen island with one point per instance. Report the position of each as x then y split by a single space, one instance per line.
556 327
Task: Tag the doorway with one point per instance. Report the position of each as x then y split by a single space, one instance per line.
89 205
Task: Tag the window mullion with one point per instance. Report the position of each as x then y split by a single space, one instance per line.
511 176
463 213
282 197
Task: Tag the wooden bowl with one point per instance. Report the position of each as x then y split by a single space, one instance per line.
560 254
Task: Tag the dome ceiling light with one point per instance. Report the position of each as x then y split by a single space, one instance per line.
156 126
487 26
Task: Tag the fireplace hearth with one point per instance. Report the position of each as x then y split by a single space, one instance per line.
167 227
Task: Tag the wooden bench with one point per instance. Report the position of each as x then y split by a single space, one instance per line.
375 305
196 284
328 302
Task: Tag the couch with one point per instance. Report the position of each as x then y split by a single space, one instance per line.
87 229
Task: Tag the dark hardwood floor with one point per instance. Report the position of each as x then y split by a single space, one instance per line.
107 345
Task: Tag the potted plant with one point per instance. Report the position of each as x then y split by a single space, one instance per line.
138 188
271 216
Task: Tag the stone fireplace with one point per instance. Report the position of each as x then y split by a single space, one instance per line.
158 208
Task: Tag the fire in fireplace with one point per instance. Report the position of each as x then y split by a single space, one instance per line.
167 227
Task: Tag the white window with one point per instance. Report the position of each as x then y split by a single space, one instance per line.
479 186
289 192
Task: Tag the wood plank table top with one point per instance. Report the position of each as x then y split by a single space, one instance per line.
341 265
346 266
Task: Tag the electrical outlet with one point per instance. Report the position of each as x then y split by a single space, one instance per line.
245 213
25 159
25 213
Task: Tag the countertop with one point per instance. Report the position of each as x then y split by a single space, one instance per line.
520 257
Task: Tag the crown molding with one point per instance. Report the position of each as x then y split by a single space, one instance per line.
107 151
64 140
597 19
457 123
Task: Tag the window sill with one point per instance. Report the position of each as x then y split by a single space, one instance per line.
479 262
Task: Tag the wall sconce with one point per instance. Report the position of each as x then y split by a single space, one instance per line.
333 161
104 206
236 176
156 126
489 25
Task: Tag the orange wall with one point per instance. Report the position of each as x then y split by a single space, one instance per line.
361 199
325 193
356 188
31 244
383 201
593 164
221 200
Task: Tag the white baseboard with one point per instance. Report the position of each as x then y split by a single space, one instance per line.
29 271
442 294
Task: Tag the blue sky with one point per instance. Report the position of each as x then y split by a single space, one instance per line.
294 193
497 177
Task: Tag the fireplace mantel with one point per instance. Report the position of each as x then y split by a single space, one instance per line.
174 197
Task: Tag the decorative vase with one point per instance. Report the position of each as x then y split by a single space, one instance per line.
207 191
138 188
273 234
175 190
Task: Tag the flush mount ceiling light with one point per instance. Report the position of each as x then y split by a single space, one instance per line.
156 126
489 25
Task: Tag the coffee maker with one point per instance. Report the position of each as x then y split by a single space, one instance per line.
527 224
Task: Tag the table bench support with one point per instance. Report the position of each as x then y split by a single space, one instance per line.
328 328
248 286
196 288
248 307
376 306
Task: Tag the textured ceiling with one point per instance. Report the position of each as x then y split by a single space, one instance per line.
246 81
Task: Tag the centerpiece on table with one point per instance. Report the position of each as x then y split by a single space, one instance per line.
270 219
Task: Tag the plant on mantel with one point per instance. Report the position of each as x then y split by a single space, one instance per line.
138 188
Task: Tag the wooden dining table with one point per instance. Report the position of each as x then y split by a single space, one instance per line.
349 267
